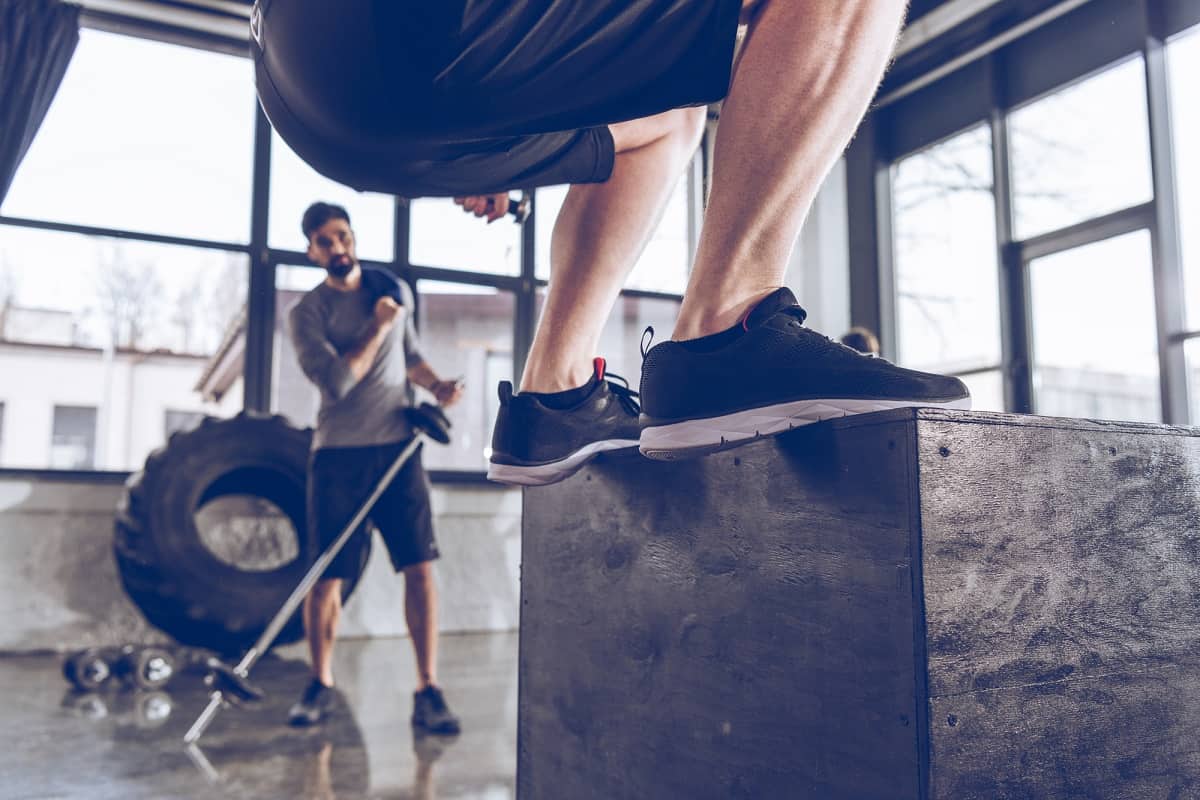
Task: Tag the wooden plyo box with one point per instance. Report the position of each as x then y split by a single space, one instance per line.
910 604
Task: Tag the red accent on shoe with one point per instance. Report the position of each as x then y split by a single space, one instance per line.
598 365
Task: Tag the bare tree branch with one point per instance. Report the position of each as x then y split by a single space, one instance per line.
129 296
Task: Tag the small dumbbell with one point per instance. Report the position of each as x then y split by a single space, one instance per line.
145 667
87 670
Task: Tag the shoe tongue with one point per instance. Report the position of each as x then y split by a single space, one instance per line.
771 304
598 367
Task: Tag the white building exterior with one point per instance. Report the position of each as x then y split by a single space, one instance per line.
131 392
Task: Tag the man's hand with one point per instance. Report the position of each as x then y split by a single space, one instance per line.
492 206
447 393
387 311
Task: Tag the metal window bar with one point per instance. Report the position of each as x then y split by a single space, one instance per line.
260 302
1166 245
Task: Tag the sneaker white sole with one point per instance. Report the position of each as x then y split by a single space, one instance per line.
698 437
542 474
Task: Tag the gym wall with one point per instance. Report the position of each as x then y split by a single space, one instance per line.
59 586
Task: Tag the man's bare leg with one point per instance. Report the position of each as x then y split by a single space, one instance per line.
431 714
420 611
598 236
768 168
801 85
806 73
322 609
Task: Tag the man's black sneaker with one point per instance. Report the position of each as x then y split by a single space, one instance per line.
432 715
313 706
534 444
765 376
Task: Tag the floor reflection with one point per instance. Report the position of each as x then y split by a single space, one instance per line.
126 744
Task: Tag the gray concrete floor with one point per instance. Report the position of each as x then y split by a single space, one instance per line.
56 743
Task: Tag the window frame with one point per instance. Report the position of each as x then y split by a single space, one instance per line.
263 259
986 88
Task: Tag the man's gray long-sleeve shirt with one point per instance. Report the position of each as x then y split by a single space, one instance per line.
326 324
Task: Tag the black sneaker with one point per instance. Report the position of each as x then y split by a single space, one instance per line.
768 375
432 715
313 706
533 445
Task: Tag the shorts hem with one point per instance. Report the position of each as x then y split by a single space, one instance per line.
429 559
606 155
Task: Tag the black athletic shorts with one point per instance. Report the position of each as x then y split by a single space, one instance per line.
341 478
454 97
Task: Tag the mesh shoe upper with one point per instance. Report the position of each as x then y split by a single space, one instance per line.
775 360
528 432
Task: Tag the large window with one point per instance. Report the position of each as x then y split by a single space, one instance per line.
124 327
295 185
135 228
621 340
1078 154
1183 60
113 336
1029 249
293 395
467 332
1094 344
947 312
1082 151
663 266
145 137
443 235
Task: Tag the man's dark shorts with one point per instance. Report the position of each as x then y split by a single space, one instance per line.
341 478
453 97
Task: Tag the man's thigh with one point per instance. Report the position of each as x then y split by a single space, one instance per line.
404 516
339 481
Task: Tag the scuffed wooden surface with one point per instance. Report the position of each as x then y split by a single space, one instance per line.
1062 598
958 606
732 627
1051 552
1129 736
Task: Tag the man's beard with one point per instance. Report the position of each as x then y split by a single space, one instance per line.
340 267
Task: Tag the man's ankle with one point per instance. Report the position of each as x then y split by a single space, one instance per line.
698 319
551 381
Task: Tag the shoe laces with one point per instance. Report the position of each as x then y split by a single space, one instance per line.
798 322
628 397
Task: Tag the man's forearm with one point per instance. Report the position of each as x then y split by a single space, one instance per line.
363 355
422 375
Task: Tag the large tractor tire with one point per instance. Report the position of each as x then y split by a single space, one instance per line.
167 565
